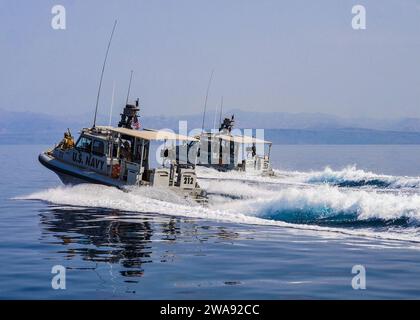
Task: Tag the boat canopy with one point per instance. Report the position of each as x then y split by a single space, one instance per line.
150 134
243 139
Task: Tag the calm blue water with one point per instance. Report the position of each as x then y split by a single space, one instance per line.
136 246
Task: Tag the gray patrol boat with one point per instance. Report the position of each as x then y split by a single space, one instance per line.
225 151
119 157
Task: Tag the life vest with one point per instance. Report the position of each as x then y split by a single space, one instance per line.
116 168
70 142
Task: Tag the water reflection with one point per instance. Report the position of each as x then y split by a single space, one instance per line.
127 240
100 236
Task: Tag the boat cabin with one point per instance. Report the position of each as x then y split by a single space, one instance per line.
122 155
234 152
224 151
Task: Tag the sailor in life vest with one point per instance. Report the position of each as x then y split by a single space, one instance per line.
67 142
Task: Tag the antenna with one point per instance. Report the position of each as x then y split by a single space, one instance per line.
129 87
215 114
205 102
221 110
102 73
112 103
214 120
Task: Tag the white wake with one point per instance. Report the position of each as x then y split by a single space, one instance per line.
238 202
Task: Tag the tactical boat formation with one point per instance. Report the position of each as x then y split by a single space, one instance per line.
120 156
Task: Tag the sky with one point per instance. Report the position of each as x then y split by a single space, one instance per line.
268 56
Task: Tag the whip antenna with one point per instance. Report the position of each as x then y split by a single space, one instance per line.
215 113
129 87
205 102
214 120
221 110
102 74
112 103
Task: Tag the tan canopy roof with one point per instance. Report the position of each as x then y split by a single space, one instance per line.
242 139
150 134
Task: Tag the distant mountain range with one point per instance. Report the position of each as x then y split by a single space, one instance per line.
284 120
281 127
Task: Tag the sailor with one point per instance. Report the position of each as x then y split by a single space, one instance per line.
254 150
67 142
227 124
126 151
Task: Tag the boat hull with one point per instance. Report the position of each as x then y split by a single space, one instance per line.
72 175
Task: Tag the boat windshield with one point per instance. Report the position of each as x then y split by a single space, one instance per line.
98 148
84 144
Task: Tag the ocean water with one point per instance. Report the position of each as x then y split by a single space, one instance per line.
297 235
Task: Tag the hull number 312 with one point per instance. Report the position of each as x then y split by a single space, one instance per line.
188 180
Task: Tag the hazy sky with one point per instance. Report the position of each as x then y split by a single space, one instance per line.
292 56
